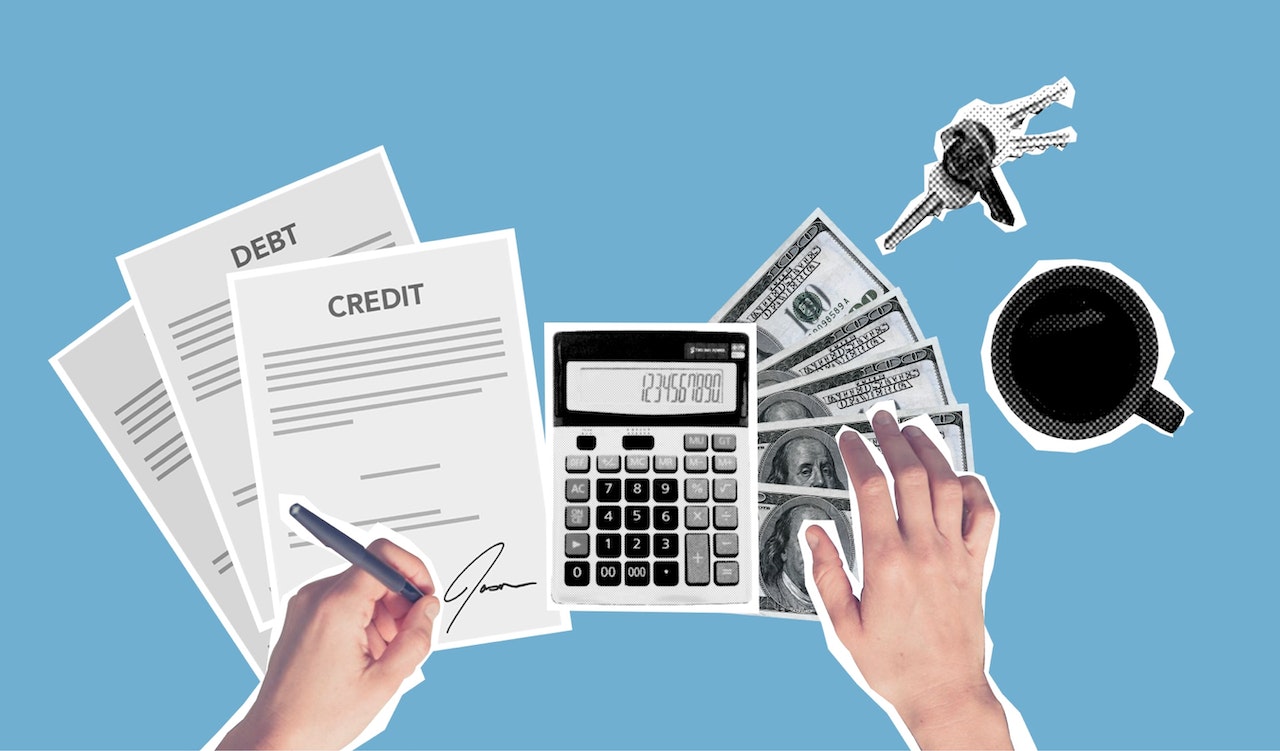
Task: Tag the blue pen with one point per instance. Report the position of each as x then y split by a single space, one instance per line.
355 552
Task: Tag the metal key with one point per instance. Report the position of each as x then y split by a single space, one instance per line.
991 134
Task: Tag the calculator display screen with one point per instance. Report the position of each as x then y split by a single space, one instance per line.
651 388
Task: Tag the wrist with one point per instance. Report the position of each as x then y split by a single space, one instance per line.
967 716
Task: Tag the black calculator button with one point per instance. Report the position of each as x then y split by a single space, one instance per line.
666 546
637 546
608 546
667 517
637 517
586 442
609 489
637 573
637 442
577 574
666 573
608 574
608 517
666 489
637 490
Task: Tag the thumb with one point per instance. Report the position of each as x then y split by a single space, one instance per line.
832 581
412 643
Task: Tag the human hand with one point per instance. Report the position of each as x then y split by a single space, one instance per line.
346 646
916 633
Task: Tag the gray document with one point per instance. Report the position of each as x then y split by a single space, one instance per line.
782 512
179 284
397 389
914 377
110 373
805 453
882 326
814 279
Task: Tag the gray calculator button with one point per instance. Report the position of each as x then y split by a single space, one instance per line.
577 490
696 488
726 573
727 544
726 517
724 441
697 517
695 463
726 490
726 463
577 545
576 517
697 559
695 441
665 464
577 463
637 462
610 463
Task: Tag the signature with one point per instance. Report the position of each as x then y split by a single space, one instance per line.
471 580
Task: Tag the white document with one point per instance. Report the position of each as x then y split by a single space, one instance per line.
179 285
110 373
397 389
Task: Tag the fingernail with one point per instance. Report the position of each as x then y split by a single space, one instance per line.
912 431
811 537
432 609
883 418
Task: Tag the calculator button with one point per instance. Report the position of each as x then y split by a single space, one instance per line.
586 442
666 546
665 464
637 491
609 463
577 463
608 517
609 489
695 441
637 546
726 573
726 517
666 490
697 517
637 462
577 490
695 463
577 517
726 544
726 464
724 442
666 517
666 573
637 574
697 559
608 546
726 490
608 574
637 517
577 545
697 489
637 442
577 574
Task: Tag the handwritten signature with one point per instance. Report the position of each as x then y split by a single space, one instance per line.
471 580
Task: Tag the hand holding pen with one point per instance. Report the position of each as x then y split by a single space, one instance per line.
348 642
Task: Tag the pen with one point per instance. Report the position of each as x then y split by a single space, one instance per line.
353 551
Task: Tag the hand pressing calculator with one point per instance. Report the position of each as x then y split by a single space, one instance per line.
653 450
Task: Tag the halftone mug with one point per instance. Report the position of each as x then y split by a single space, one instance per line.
1075 352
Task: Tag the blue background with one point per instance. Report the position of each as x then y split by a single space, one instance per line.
650 158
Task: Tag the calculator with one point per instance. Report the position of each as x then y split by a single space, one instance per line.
651 430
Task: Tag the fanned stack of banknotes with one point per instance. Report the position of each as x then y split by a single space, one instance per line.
833 338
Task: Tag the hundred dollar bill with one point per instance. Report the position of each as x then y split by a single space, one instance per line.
805 453
884 325
782 511
816 277
914 377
